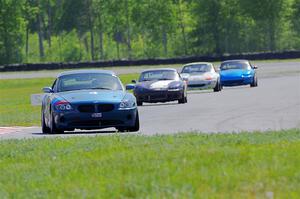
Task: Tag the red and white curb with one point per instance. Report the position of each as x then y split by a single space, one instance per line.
15 129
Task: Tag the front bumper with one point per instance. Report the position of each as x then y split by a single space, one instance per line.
159 95
78 120
236 81
201 84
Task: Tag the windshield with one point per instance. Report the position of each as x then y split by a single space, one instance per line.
234 65
196 68
88 81
158 75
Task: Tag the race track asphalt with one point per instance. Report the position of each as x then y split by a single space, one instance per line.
273 105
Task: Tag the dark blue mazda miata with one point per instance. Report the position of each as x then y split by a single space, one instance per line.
88 99
159 85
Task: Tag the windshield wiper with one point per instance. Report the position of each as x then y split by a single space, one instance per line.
164 79
102 88
72 90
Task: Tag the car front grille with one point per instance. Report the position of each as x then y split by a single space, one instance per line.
87 108
153 97
196 85
234 82
92 123
105 107
157 96
93 108
173 95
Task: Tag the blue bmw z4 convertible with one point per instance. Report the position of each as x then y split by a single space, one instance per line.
88 99
238 72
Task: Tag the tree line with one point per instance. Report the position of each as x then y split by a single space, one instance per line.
80 30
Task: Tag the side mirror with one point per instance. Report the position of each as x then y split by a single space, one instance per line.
47 90
133 81
184 76
255 67
130 86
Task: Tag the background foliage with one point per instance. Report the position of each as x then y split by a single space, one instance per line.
80 30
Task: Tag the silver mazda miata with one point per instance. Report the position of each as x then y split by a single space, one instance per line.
201 75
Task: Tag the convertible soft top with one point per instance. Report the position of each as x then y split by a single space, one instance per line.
236 60
85 71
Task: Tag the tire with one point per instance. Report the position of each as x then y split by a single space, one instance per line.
139 103
254 83
134 128
45 129
218 87
183 99
53 129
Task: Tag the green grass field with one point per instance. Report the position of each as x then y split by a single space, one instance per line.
15 107
245 165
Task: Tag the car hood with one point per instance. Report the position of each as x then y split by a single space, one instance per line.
234 72
156 85
81 96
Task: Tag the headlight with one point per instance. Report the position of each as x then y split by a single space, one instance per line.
175 87
127 104
246 75
63 106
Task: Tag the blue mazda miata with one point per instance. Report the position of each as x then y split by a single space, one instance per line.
238 72
88 99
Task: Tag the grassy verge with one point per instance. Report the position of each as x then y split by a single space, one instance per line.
246 165
15 107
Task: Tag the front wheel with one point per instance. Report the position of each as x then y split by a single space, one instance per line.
53 129
218 87
254 82
139 103
134 128
183 99
45 129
